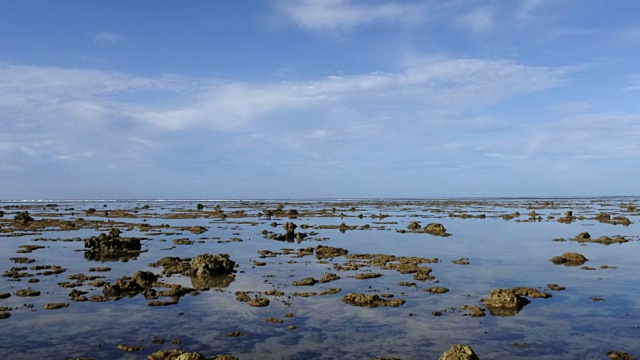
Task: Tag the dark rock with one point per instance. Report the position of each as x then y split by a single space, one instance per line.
583 236
111 246
23 218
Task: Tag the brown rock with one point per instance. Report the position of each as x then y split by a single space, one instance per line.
556 287
27 292
368 300
54 306
209 265
129 348
459 352
437 290
619 355
436 229
569 259
305 282
259 302
504 302
323 252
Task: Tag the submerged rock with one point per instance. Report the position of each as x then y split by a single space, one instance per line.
459 352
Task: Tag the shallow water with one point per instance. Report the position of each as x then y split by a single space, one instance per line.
502 254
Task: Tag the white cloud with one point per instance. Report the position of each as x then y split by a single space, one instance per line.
94 95
462 83
106 37
345 14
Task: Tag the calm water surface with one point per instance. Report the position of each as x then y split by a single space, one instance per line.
502 254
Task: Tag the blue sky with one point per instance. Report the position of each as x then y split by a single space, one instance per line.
318 98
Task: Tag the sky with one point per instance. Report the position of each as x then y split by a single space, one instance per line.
273 99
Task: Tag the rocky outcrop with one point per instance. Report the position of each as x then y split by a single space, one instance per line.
459 352
569 259
23 218
203 265
504 302
369 300
210 265
111 246
436 229
141 282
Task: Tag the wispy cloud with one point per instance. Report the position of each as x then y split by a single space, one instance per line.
92 116
635 83
179 103
106 37
346 14
478 21
452 83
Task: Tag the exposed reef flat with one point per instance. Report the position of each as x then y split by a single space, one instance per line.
320 279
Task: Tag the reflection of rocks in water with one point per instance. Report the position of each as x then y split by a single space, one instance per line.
290 234
112 247
211 282
117 256
142 281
